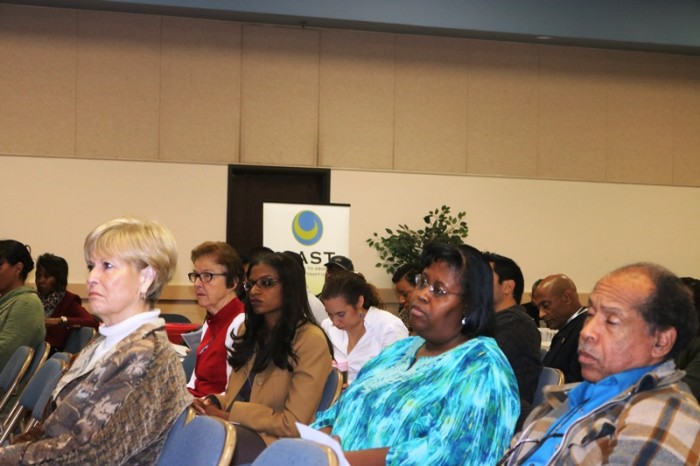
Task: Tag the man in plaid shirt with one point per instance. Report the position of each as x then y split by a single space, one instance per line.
632 407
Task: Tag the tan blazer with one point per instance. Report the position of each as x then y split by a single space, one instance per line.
280 398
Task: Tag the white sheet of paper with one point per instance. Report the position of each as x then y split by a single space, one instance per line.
307 433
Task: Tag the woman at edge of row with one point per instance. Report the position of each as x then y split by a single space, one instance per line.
281 359
21 312
125 389
445 397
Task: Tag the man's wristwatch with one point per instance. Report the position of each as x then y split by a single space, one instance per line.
64 320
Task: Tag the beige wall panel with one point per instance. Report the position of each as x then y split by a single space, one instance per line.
37 80
357 100
118 85
279 101
640 116
572 120
587 231
190 199
431 104
200 90
686 139
502 123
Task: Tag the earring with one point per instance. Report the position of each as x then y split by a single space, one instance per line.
142 295
464 321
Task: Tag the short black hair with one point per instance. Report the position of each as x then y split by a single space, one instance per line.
507 269
476 282
55 267
407 271
12 252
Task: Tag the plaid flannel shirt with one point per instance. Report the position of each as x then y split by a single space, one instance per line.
656 421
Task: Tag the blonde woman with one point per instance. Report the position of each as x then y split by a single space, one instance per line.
117 402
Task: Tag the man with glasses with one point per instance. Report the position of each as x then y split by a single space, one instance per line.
514 330
632 407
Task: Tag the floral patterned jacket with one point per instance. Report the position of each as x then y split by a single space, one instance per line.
119 412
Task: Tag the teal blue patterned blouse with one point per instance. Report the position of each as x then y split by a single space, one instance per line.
457 408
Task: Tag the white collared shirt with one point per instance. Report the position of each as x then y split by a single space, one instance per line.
382 328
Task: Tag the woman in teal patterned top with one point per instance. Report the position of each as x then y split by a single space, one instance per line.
446 397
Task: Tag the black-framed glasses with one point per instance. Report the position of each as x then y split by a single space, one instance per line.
264 282
205 277
439 291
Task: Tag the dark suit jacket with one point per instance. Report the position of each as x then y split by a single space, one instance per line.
563 352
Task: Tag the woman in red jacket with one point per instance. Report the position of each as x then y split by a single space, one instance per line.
63 310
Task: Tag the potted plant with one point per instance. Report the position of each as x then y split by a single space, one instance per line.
404 245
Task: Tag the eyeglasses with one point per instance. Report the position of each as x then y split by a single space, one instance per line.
205 277
438 291
264 282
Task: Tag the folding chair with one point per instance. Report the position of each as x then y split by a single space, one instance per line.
203 441
78 338
296 452
13 372
548 376
331 390
188 363
34 398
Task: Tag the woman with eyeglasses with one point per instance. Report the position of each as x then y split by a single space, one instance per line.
445 397
357 327
281 359
216 273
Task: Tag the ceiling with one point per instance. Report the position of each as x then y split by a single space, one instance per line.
671 26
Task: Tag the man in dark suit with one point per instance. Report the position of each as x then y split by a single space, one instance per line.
557 299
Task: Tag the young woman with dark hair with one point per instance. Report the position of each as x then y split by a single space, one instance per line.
357 327
281 359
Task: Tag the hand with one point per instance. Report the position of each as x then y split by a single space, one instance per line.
205 406
200 405
52 321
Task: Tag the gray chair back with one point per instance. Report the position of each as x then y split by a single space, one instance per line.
65 357
188 363
13 372
78 339
41 354
331 390
296 452
203 441
175 319
34 398
548 376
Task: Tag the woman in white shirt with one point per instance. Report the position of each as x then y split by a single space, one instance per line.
358 329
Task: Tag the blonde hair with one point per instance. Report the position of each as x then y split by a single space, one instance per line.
142 243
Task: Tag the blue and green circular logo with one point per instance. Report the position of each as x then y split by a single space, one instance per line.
307 227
